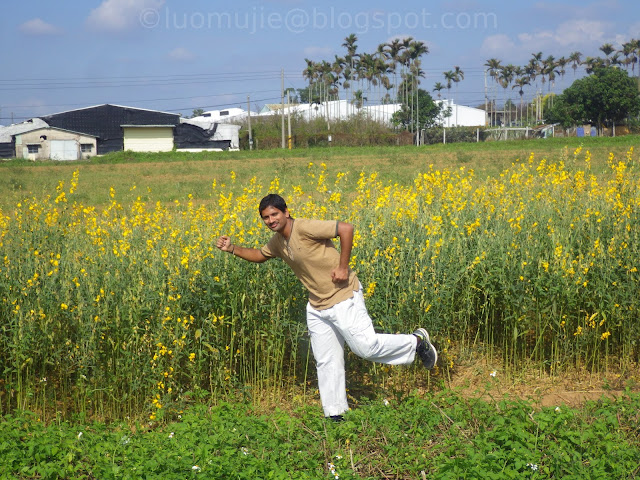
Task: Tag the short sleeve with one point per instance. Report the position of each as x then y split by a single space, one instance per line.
270 249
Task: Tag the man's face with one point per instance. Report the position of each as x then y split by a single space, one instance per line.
275 219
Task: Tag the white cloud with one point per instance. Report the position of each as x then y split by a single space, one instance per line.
497 46
181 54
37 26
578 33
585 36
122 15
317 52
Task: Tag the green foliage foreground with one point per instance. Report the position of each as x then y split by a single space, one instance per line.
439 437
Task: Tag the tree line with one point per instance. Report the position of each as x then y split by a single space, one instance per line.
547 69
393 73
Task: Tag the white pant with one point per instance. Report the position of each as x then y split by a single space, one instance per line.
349 321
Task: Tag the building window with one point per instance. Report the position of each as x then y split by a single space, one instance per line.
86 147
224 112
33 148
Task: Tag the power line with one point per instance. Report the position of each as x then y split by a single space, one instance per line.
129 77
218 106
142 100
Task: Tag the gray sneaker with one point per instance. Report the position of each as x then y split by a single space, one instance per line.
425 350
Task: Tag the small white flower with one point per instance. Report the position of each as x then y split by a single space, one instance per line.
386 402
196 468
338 457
244 450
171 435
493 374
558 409
532 466
79 435
125 440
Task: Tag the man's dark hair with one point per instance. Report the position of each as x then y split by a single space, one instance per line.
272 200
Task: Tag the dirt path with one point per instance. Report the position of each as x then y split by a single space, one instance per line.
571 389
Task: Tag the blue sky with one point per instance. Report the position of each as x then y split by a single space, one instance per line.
176 56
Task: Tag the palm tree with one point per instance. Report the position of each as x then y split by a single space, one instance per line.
405 61
449 76
458 77
358 99
550 69
637 45
505 78
562 63
416 50
576 59
536 64
629 52
520 82
310 74
607 49
531 71
351 57
614 59
493 67
438 87
394 50
593 63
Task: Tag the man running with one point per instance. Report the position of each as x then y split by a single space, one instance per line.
336 312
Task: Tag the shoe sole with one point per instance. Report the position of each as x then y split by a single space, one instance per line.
425 337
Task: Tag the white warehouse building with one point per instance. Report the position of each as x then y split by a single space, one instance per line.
461 116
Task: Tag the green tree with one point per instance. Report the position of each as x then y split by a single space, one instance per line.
428 112
608 95
196 112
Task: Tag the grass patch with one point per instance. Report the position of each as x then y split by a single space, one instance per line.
173 175
443 436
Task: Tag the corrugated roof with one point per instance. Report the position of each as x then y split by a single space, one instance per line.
111 105
33 124
148 126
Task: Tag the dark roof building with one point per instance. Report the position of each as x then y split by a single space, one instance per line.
106 122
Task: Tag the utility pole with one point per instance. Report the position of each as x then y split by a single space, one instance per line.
249 120
417 115
486 100
282 111
289 140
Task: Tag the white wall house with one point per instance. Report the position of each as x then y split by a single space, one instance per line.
461 116
334 110
221 116
55 144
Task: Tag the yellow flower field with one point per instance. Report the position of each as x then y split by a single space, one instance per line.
123 309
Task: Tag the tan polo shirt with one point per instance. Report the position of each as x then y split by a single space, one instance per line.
312 256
